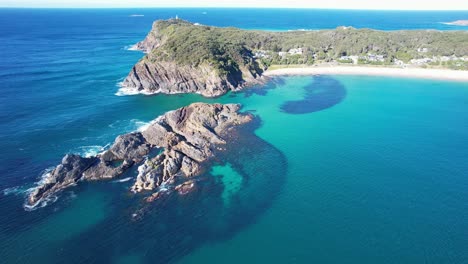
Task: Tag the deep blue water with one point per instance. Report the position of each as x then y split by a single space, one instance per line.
117 20
369 169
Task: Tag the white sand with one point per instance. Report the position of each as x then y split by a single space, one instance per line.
439 74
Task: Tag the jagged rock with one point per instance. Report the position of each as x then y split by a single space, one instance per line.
185 187
157 195
188 135
129 147
63 176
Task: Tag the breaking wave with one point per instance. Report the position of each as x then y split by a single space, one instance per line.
90 151
123 180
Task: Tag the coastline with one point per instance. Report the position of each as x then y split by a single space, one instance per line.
435 74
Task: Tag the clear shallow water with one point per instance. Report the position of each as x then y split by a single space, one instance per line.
340 169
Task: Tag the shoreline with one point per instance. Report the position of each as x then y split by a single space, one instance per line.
419 73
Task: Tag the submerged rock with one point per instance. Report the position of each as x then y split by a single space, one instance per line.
185 187
188 137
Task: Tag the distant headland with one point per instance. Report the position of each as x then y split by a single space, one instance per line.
184 57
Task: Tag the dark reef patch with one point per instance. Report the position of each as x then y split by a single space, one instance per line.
324 92
261 90
175 225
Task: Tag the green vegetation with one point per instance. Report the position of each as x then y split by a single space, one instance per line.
455 65
345 61
231 49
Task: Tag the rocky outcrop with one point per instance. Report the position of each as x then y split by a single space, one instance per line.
64 175
171 78
169 69
151 42
186 138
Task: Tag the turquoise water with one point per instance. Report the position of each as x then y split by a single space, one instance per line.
378 178
335 169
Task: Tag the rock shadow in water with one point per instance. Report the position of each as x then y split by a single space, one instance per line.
178 224
261 90
324 92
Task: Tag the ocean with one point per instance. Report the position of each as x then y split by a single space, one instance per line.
339 169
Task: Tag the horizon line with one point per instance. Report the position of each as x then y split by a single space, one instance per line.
224 7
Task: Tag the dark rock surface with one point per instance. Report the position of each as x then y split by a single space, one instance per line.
188 137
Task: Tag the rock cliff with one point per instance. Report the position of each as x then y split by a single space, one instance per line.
185 138
187 58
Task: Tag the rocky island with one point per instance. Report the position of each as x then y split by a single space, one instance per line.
181 140
183 57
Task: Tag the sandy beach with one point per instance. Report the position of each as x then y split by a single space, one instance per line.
438 74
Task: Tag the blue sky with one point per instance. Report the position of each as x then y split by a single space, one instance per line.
344 4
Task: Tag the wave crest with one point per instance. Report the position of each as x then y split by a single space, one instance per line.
93 150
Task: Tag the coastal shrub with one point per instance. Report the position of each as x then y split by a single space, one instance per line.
228 49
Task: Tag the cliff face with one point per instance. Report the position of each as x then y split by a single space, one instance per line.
170 78
152 40
186 58
186 137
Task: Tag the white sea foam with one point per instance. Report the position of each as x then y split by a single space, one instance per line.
91 151
16 190
133 47
10 190
44 176
123 180
113 124
41 203
140 125
164 187
119 124
44 201
136 15
123 90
